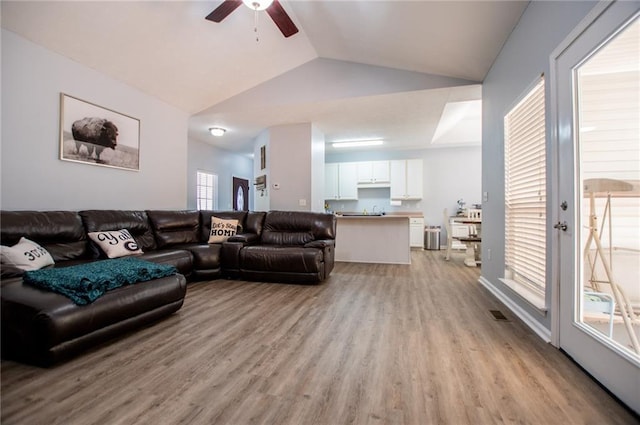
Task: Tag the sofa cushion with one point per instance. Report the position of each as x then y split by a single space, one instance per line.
271 237
179 258
254 222
61 233
205 256
175 227
24 256
297 227
42 326
136 222
116 243
281 259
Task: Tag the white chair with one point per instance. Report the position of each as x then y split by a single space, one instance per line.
474 214
450 237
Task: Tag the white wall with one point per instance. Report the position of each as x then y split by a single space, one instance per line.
290 167
295 163
32 175
226 165
317 169
523 58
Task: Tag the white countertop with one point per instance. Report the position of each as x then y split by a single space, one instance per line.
393 215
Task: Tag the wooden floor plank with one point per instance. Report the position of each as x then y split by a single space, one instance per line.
375 344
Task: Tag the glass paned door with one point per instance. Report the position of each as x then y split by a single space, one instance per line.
608 127
597 102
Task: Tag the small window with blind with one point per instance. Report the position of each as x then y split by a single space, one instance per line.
206 191
525 196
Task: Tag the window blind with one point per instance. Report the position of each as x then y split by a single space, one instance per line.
525 191
206 188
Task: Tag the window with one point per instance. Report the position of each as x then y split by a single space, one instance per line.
608 103
525 193
207 191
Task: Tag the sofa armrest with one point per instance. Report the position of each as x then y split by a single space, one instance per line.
320 243
245 238
328 252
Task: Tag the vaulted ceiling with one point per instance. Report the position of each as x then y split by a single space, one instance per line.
408 54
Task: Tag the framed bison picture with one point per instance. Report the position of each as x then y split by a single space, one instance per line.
92 134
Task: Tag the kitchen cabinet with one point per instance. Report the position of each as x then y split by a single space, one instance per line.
406 179
373 239
341 181
416 232
372 173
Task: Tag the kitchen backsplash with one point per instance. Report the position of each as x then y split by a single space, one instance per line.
374 200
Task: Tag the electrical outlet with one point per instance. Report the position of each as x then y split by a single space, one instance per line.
488 254
485 196
302 202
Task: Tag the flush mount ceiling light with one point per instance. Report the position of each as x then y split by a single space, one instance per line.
217 131
357 143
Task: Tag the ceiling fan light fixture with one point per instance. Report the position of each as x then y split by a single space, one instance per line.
217 131
357 143
273 8
257 4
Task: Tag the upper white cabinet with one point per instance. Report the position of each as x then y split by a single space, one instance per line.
373 173
406 179
330 181
341 181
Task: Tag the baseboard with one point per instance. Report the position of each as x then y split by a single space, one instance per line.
527 318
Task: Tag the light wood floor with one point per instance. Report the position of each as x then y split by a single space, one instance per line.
375 344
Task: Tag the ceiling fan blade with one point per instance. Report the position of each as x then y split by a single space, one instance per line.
223 10
282 20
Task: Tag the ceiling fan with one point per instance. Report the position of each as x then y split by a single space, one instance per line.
273 8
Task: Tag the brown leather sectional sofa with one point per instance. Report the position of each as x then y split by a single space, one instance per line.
44 327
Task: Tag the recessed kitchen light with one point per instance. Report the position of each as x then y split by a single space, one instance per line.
357 143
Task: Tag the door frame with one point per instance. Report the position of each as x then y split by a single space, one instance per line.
618 379
554 163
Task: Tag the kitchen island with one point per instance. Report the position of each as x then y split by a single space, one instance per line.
373 239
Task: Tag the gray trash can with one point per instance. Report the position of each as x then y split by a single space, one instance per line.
432 237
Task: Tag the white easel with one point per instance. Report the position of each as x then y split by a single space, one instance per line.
607 188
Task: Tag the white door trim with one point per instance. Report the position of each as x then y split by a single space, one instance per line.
554 196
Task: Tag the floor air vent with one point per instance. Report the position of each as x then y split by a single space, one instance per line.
497 315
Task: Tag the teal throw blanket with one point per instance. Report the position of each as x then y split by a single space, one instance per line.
85 283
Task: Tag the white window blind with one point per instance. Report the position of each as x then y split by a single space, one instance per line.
206 191
525 191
